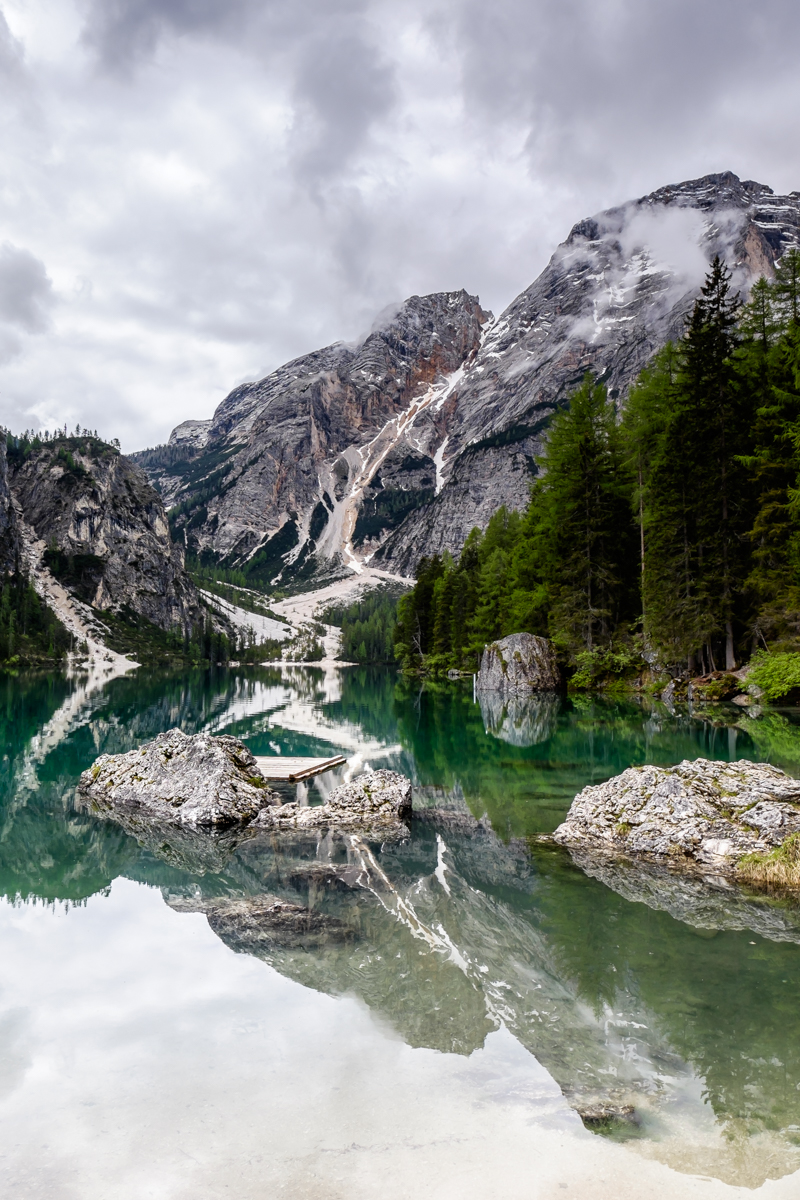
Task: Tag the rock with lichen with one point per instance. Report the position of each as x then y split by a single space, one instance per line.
376 803
518 665
181 779
704 815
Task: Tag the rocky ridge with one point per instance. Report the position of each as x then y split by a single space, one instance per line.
613 294
101 527
398 446
282 471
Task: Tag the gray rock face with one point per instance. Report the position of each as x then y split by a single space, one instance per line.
518 665
108 525
421 431
291 458
702 815
376 803
9 533
180 779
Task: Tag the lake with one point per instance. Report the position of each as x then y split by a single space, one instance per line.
471 1013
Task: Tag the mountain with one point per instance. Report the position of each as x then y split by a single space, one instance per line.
397 446
92 533
318 461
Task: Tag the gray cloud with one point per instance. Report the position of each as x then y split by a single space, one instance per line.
123 32
217 187
26 292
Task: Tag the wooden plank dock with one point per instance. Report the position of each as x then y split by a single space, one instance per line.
283 769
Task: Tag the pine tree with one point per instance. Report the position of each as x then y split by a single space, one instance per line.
787 289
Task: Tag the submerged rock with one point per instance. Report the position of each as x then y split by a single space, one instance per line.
704 815
376 802
709 902
181 780
518 665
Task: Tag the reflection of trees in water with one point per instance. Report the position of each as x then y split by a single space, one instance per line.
720 1000
523 764
368 700
622 1004
618 1000
53 729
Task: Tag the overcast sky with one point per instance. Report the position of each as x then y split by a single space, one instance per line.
195 191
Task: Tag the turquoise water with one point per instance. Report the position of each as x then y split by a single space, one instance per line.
470 1012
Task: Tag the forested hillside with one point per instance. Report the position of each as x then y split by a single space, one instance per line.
669 533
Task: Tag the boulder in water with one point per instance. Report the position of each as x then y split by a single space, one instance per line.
376 803
518 665
704 815
181 779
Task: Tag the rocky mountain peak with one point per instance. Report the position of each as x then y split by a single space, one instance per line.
613 293
398 445
290 459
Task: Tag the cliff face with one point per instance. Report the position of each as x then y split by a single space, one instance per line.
102 530
398 446
9 531
280 473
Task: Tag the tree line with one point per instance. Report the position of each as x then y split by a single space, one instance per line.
666 534
367 626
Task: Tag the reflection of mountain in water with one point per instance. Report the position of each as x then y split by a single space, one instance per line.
454 932
457 930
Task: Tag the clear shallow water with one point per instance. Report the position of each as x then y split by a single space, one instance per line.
458 999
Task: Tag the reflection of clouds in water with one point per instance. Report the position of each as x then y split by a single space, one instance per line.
170 1065
16 1049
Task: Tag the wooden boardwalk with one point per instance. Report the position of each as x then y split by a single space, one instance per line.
283 769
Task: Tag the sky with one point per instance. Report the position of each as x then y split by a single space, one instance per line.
193 192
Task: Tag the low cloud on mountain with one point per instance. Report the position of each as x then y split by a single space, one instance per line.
214 188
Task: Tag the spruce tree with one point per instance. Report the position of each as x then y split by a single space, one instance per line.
787 289
719 423
766 373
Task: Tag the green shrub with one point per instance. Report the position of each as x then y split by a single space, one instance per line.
604 667
775 674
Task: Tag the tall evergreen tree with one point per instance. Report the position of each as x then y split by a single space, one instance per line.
719 423
581 524
787 289
766 369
